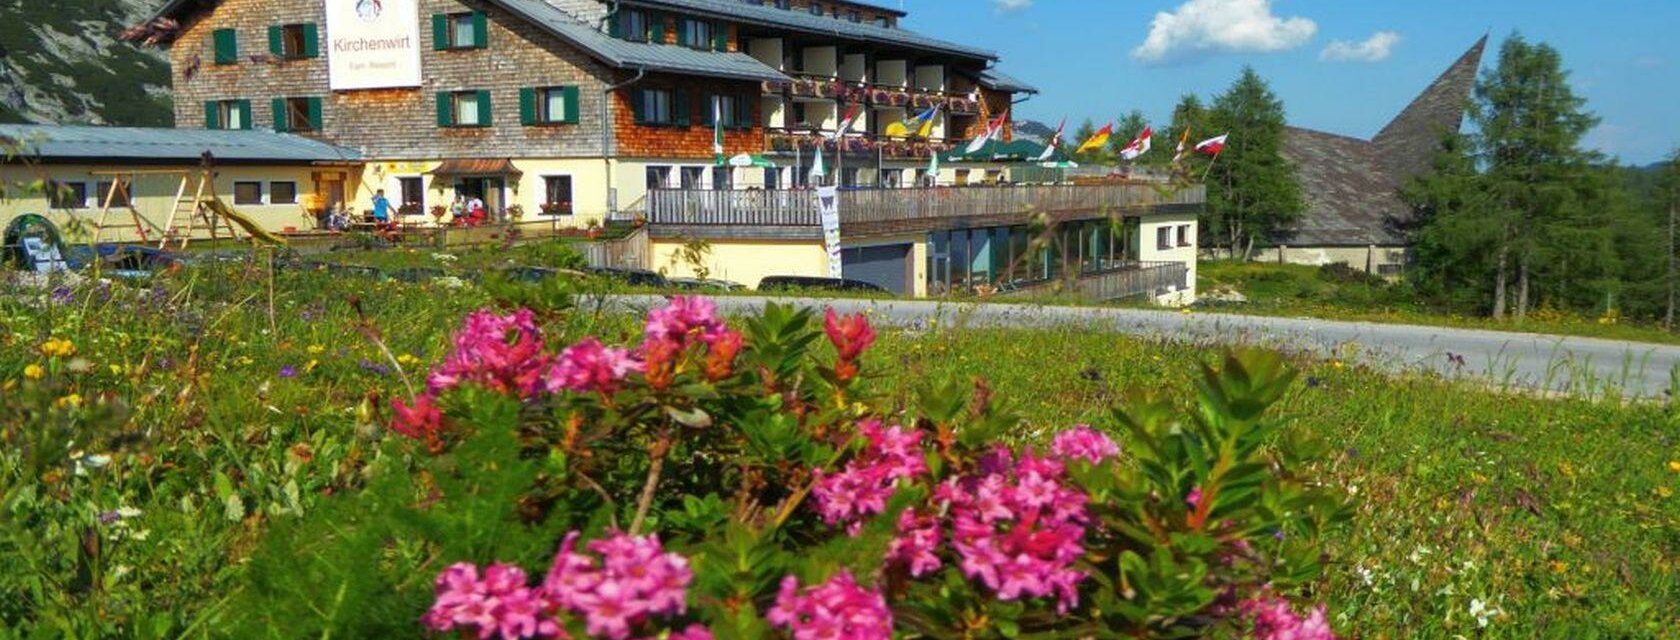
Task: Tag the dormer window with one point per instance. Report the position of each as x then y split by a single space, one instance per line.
853 16
632 25
816 9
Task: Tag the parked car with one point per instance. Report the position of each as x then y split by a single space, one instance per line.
785 283
538 274
635 277
706 284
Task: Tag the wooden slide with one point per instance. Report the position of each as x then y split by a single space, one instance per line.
250 226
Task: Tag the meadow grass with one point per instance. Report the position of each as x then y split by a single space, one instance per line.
1478 513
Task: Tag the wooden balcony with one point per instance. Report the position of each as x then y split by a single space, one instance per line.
868 212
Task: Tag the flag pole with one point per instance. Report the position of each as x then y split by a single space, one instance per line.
1209 166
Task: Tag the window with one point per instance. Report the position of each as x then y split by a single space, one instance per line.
1183 235
772 178
660 106
294 41
224 44
632 25
302 115
697 34
411 193
723 178
464 109
882 22
816 9
68 195
1163 238
853 16
118 199
658 177
282 192
962 177
460 31
734 112
691 177
557 195
784 4
247 193
849 177
548 105
1388 269
227 114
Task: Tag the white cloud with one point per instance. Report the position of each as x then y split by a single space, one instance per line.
1011 6
1374 49
1200 27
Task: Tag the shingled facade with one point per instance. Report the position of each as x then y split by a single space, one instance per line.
1354 211
574 108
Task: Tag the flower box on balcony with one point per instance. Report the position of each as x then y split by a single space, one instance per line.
923 101
963 105
557 208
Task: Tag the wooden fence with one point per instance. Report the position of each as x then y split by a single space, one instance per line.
1127 281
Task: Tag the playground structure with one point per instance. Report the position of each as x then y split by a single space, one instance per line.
195 205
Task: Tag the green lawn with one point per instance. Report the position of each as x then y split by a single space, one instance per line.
1342 294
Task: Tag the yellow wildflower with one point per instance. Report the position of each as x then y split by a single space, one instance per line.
316 349
70 401
33 371
58 348
1665 493
1674 465
407 360
116 370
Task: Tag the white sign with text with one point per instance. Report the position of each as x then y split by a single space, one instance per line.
373 44
828 206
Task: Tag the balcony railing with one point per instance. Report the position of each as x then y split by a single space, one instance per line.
905 209
872 94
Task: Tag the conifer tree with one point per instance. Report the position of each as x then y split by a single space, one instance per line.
1253 196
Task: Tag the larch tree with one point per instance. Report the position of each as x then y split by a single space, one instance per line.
1253 196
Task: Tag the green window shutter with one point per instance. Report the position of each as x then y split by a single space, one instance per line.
744 111
440 32
720 36
279 107
212 115
615 27
484 108
226 43
244 114
680 108
315 119
481 30
275 46
445 110
707 111
528 106
570 96
311 41
682 32
637 110
656 28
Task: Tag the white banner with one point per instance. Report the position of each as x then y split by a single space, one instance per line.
828 205
373 44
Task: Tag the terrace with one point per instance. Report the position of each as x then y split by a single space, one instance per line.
793 214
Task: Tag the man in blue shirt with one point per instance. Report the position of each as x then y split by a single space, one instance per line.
381 207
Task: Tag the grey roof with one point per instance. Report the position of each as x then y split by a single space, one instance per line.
1352 186
797 20
994 79
627 54
151 145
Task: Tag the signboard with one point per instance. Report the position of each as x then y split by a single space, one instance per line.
373 44
828 205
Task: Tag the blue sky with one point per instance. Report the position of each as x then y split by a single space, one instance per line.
1090 59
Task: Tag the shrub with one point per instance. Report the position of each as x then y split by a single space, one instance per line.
782 494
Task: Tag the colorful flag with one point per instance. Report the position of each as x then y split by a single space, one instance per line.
1212 146
993 128
933 169
1139 145
717 128
1183 147
847 122
1097 140
920 125
1054 143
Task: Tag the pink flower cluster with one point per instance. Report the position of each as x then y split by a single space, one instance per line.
916 547
590 366
1273 619
501 603
503 353
839 608
634 580
1084 443
685 319
1018 527
864 485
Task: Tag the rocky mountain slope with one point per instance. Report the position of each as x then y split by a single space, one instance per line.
61 62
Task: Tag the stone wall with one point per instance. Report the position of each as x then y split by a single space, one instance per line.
396 122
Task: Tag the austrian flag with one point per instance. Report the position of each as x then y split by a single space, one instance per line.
1212 146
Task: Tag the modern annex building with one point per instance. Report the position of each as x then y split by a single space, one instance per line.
585 112
1355 215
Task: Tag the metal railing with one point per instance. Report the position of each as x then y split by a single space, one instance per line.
758 207
1117 282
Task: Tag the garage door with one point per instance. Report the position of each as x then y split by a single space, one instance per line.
884 265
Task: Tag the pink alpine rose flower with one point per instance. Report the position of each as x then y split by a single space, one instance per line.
1084 443
839 608
683 320
502 353
590 366
864 485
622 583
